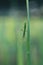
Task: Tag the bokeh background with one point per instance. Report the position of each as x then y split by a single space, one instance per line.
12 45
36 31
13 15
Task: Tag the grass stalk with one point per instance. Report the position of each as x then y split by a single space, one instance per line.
28 34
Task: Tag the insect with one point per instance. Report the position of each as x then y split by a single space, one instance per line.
24 30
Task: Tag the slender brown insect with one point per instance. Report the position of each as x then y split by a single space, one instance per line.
24 30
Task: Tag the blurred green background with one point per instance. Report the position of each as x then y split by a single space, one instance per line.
12 44
13 47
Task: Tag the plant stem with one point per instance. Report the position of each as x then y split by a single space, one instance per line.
28 34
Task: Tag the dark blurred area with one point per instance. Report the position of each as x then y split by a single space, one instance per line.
11 5
35 5
36 8
39 2
6 4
